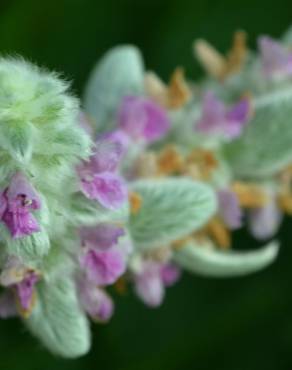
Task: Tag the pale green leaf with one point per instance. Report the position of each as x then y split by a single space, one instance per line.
212 262
171 209
119 73
57 320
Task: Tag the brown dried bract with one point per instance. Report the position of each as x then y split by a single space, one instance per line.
250 195
179 244
160 254
178 92
173 96
156 88
236 57
135 201
170 161
201 162
219 233
146 165
285 202
285 193
218 65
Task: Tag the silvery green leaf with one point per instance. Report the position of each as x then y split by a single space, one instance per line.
119 73
57 320
212 262
265 146
171 209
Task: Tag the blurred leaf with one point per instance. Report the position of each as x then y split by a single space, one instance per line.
171 209
58 322
215 263
265 146
119 73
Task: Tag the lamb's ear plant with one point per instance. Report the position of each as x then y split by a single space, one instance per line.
149 178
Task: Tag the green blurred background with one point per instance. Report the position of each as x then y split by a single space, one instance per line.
236 324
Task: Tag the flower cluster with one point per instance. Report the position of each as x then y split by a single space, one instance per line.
144 180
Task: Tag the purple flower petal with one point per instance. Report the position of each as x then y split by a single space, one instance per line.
20 224
109 150
103 236
276 59
107 188
21 194
95 301
170 274
141 118
264 222
237 117
25 290
149 286
7 305
103 267
21 199
216 119
213 115
229 209
23 279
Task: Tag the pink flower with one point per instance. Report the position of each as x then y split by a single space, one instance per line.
103 236
218 119
143 119
103 267
103 258
150 282
17 202
22 279
98 178
25 290
229 209
276 59
170 274
264 222
109 189
95 301
109 151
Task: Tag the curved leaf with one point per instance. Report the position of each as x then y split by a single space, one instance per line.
171 209
119 73
58 321
215 263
